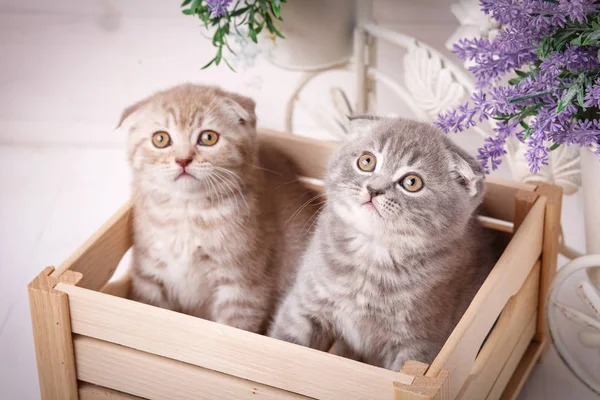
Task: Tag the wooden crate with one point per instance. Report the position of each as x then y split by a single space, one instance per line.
93 343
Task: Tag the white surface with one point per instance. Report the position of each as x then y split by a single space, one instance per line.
67 69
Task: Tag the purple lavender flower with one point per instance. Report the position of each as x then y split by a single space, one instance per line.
592 95
218 7
537 154
535 95
576 10
494 147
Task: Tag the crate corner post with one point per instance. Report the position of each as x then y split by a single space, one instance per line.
51 323
551 248
423 387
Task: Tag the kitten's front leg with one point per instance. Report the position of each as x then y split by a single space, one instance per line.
295 322
241 306
423 352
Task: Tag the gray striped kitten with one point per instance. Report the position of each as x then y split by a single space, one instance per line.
397 254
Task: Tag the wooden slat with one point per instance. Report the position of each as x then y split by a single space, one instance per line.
120 288
424 387
523 370
225 349
100 255
88 391
511 365
159 378
550 249
51 325
459 353
499 200
515 316
310 155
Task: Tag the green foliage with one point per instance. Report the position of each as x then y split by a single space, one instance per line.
255 15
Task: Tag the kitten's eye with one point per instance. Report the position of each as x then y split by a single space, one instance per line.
366 162
161 139
411 183
208 138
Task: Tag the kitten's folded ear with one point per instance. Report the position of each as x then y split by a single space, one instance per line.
245 108
130 110
360 125
467 171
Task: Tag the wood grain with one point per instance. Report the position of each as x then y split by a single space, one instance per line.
459 353
100 255
550 249
523 370
512 322
309 155
50 320
511 365
225 349
88 391
423 387
159 378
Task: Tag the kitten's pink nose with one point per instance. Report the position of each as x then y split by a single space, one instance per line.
183 162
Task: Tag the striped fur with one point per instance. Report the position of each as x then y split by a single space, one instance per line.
215 245
390 281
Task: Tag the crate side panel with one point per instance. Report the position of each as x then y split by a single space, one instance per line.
88 391
98 258
159 378
503 338
225 349
507 277
513 361
309 155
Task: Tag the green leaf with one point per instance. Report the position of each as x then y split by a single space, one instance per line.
521 73
567 98
529 96
276 8
239 11
580 98
592 37
554 146
272 27
514 81
188 11
524 124
185 3
578 41
209 63
263 4
527 133
218 56
252 34
229 65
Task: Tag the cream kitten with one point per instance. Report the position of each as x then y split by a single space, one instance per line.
210 231
397 254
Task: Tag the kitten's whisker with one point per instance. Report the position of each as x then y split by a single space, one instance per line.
233 174
265 169
302 207
213 183
314 218
233 187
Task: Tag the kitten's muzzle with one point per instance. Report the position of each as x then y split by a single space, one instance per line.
183 162
374 192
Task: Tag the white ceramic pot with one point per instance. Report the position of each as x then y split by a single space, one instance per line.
590 181
318 34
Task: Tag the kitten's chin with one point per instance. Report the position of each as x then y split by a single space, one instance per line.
364 219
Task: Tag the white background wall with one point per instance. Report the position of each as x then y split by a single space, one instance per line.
67 70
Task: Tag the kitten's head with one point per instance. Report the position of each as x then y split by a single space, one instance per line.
184 138
405 177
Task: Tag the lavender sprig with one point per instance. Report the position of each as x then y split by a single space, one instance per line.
552 50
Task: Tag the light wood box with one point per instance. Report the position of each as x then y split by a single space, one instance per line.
93 343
